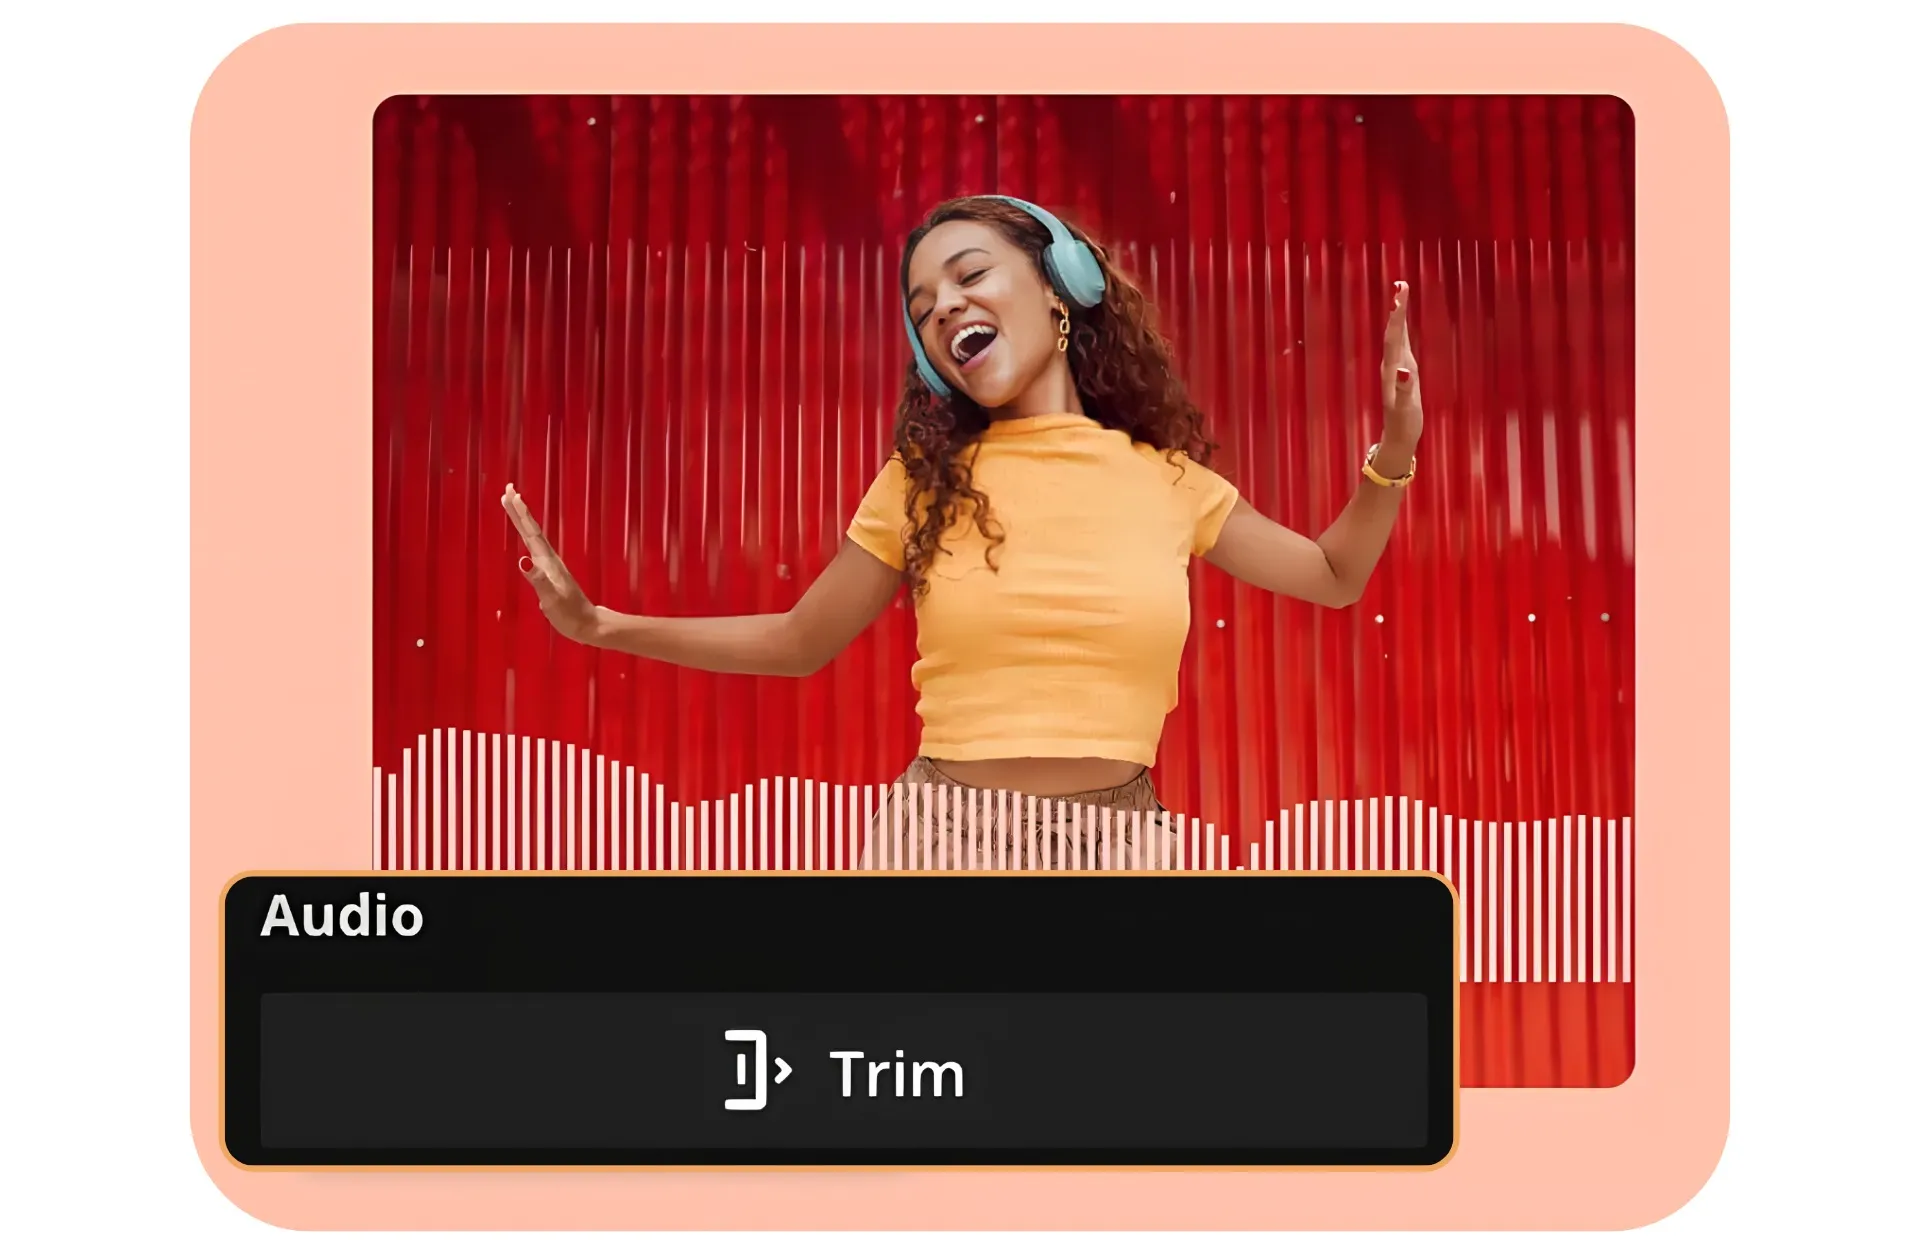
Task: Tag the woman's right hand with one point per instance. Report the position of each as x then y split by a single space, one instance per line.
561 600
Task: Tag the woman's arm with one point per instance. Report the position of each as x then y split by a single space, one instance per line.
1333 570
849 594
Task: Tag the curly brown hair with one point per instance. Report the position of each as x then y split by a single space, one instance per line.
1122 366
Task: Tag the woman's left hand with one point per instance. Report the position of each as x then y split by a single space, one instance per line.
1400 380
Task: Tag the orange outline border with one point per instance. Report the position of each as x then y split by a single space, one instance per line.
280 657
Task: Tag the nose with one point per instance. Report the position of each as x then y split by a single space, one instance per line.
949 304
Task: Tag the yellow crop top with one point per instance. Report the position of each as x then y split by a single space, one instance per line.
1072 648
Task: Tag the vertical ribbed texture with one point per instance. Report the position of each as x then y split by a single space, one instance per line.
673 323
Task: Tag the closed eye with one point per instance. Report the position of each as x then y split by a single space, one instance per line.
966 280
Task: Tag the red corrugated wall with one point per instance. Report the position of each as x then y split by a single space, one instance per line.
673 323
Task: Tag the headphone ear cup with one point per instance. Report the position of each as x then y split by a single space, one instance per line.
1076 273
935 384
928 374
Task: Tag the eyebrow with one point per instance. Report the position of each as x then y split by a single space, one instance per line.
917 288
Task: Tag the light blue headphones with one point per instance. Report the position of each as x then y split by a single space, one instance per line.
1071 266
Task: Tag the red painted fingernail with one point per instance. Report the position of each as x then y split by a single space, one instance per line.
1403 375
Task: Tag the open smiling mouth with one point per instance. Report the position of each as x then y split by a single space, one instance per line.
970 345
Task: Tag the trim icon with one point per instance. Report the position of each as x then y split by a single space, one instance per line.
759 1041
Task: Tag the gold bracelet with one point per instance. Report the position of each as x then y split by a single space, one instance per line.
1366 468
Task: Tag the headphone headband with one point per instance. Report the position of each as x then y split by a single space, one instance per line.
1071 267
1055 227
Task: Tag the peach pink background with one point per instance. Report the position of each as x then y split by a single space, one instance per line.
282 689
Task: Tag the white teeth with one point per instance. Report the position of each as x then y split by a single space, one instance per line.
957 345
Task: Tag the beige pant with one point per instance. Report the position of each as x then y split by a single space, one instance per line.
928 821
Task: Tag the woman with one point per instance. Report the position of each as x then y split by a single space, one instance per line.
1047 490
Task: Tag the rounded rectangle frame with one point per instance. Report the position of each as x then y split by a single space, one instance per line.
1453 1092
281 598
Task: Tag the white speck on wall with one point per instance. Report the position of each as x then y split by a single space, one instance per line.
1529 618
1379 618
1219 622
1606 618
419 644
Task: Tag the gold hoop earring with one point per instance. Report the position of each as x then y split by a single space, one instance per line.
1066 330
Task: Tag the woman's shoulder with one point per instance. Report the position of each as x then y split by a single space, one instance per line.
1174 464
